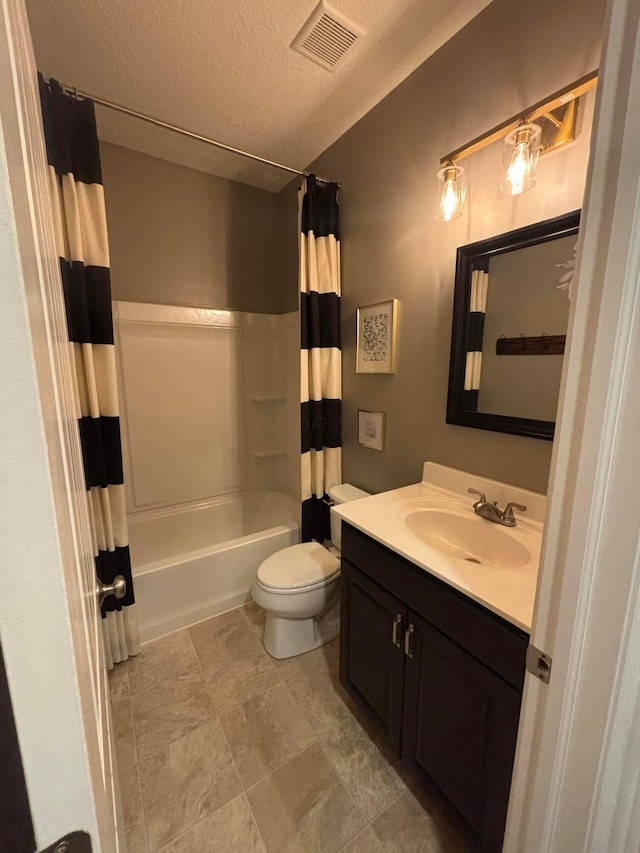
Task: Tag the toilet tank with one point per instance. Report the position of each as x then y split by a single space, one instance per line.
342 494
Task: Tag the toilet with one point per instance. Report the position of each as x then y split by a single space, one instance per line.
299 588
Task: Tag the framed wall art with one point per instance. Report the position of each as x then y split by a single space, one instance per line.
371 429
376 339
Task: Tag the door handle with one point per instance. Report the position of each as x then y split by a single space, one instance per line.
397 627
117 588
407 640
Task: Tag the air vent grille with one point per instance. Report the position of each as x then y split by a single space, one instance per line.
327 37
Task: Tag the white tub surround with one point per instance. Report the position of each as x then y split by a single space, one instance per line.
508 590
196 562
210 402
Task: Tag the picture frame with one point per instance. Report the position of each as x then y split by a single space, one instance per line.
377 328
371 429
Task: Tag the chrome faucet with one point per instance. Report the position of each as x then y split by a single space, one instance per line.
492 512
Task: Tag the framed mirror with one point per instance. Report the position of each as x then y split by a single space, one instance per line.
510 314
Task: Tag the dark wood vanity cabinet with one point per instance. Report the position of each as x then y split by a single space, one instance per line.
442 676
371 652
460 730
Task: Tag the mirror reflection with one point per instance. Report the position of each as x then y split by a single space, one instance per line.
524 302
512 300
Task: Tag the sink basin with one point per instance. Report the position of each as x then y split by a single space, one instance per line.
468 538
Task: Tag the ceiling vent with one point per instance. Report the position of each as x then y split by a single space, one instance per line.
327 37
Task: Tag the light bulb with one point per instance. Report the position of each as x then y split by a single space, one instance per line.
449 201
518 170
450 192
521 151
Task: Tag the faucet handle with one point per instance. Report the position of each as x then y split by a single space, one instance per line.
481 495
508 510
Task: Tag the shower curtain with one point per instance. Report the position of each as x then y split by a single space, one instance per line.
475 335
81 238
321 357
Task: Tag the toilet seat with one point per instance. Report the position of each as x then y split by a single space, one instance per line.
298 568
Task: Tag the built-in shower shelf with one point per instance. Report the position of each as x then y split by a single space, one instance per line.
267 398
269 454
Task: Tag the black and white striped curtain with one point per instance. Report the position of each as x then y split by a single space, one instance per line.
475 335
81 236
321 357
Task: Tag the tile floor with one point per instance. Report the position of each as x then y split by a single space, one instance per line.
222 748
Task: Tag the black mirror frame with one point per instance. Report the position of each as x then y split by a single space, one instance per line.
540 232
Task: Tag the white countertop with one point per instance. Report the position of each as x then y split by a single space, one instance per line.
509 592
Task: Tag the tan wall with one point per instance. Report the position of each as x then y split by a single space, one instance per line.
510 56
180 236
289 238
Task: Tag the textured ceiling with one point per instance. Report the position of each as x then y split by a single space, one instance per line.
225 69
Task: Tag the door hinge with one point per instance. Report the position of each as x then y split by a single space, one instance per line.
538 663
73 842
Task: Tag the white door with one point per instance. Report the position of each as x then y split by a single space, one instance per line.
49 618
576 781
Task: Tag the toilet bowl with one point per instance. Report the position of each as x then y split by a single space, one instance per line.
299 588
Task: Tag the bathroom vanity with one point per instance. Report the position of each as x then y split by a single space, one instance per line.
432 657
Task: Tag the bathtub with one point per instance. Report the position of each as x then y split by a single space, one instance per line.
192 563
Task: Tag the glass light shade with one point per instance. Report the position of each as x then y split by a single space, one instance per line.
520 158
451 192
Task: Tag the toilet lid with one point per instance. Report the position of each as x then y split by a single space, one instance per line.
298 566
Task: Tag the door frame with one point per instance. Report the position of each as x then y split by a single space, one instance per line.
49 623
576 783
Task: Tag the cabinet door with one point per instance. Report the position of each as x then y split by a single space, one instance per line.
371 649
460 729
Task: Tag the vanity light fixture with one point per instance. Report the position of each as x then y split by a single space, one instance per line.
451 192
537 130
520 158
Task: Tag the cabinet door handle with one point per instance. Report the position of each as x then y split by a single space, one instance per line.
397 627
407 640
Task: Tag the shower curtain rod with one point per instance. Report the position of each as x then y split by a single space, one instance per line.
111 105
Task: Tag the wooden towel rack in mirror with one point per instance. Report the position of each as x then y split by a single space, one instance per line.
531 345
511 298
